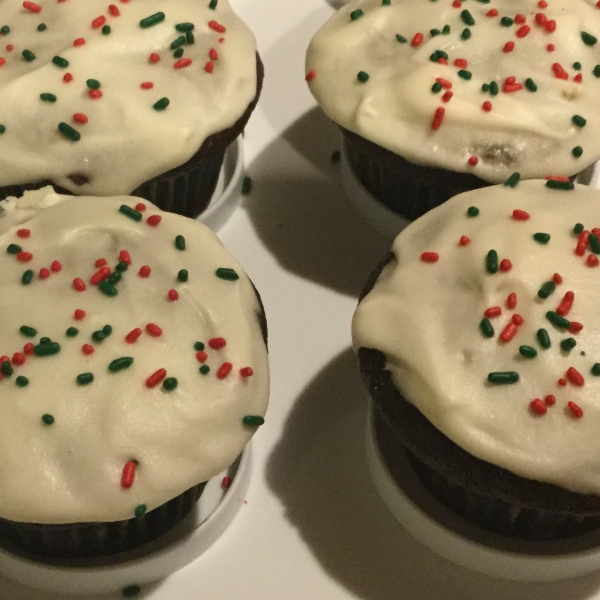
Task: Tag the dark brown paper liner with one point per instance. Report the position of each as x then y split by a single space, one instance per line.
483 493
51 543
188 188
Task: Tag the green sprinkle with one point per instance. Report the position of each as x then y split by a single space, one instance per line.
465 35
513 180
578 228
198 346
189 37
140 511
204 369
403 40
72 332
161 104
28 55
541 238
596 71
120 363
527 351
42 27
213 4
503 377
446 29
436 88
5 30
362 76
543 338
467 18
491 262
568 344
105 30
494 88
386 2
130 591
577 151
594 243
93 84
178 53
22 381
170 383
182 275
336 156
6 369
2 129
247 182
13 249
253 420
595 370
531 85
180 41
45 340
107 329
486 328
28 331
47 419
46 348
566 186
107 288
69 132
435 32
48 97
356 14
506 21
577 66
85 378
180 242
227 274
122 267
578 120
99 336
588 38
547 288
184 27
63 63
464 74
485 87
473 211
27 277
152 20
557 320
434 57
114 278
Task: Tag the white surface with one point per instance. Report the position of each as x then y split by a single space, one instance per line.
314 527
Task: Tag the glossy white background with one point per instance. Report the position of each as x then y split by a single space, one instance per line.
313 527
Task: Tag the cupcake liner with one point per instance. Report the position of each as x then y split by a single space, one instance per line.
53 543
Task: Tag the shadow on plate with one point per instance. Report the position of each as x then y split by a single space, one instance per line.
299 210
318 470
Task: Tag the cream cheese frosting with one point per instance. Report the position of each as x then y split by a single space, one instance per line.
145 386
96 91
482 87
488 319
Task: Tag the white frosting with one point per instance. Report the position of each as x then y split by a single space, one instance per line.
125 141
529 132
71 471
425 318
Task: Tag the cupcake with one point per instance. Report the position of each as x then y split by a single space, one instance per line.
438 98
478 341
141 97
133 368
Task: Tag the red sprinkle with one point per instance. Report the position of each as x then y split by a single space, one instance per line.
24 256
182 63
491 13
154 330
541 19
9 47
509 332
492 312
310 76
201 356
550 47
224 370
246 372
574 327
447 96
514 87
559 72
550 26
173 295
510 80
578 78
217 343
582 242
140 207
565 305
55 267
464 240
101 275
28 349
520 19
520 215
575 377
430 257
147 85
557 279
95 94
562 382
523 31
128 474
543 4
98 21
505 265
79 42
209 66
417 40
511 301
4 359
32 7
457 3
538 406
79 314
153 220
23 233
487 106
144 271
67 77
78 284
592 260
461 63
213 54
508 47
80 118
216 27
576 410
444 83
156 378
517 319
133 335
438 118
113 10
226 482
125 257
87 349
154 58
473 160
44 273
550 399
18 359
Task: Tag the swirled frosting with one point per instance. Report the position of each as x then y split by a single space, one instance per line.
142 386
483 87
100 69
488 319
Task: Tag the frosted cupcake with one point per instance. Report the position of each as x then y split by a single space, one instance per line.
436 98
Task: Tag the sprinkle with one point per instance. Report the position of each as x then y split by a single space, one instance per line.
131 213
568 344
18 359
491 262
125 257
32 7
557 320
464 74
520 215
226 274
198 346
27 277
417 40
47 419
154 330
430 257
144 271
509 332
577 151
356 14
486 328
486 106
595 370
464 240
517 319
85 378
538 406
161 104
523 31
67 77
253 420
226 482
28 55
216 27
173 295
100 275
494 311
546 289
465 34
224 370
154 220
170 384
128 474
133 335
503 377
87 349
44 273
120 363
508 47
184 27
79 42
592 261
28 331
246 372
310 76
401 38
139 512
182 63
72 332
204 369
154 58
132 590
541 238
447 96
113 10
557 279
575 410
24 256
472 211
22 381
527 351
543 338
362 76
201 356
467 18
69 132
566 303
152 20
588 38
473 160
575 327
217 343
47 349
180 242
578 120
108 289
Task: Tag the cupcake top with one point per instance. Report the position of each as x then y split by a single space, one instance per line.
132 359
488 319
99 98
482 87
